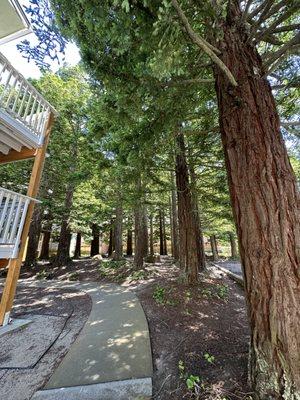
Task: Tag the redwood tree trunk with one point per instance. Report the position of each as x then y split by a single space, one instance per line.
174 223
151 241
165 251
214 247
161 234
118 233
129 242
44 255
63 251
111 245
77 252
34 236
188 235
145 231
139 238
234 253
95 242
196 219
266 204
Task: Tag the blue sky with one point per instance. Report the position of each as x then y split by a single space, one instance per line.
29 69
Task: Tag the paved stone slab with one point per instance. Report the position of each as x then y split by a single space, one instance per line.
15 324
135 389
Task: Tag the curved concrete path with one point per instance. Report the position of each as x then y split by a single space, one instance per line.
111 358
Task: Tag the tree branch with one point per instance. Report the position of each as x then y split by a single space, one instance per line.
295 41
286 86
286 28
277 22
186 82
290 124
203 44
246 11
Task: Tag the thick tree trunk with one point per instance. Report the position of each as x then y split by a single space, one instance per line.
77 252
34 236
63 251
151 239
95 242
111 243
118 232
145 231
266 205
165 250
188 235
234 253
161 234
196 219
174 223
129 242
214 247
139 245
44 255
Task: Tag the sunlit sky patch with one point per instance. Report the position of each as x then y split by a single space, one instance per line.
29 69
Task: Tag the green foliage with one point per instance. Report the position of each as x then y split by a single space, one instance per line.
159 294
209 358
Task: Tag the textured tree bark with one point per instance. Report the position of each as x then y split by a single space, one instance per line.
214 247
196 219
161 233
174 223
63 251
129 242
266 204
165 250
118 232
188 235
139 246
111 244
95 242
44 255
34 236
145 231
77 252
151 241
234 252
129 250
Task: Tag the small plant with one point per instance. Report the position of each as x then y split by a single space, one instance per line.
181 369
74 276
112 264
159 294
137 275
209 358
188 296
223 291
43 274
207 293
192 382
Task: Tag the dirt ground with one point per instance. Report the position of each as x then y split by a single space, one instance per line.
199 335
57 318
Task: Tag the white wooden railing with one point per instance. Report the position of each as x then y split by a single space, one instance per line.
21 100
13 210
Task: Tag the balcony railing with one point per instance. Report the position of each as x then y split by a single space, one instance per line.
13 210
20 100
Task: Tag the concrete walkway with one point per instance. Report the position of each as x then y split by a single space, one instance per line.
114 346
232 266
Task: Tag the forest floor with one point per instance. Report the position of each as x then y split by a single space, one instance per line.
199 335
